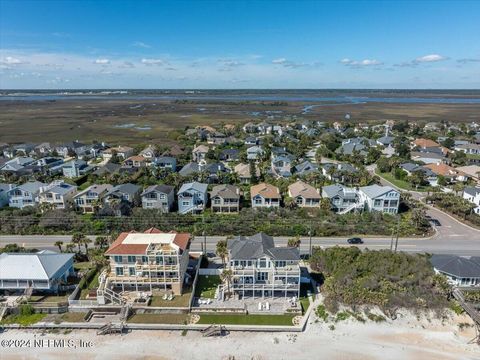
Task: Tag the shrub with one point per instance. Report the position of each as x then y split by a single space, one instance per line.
27 309
321 312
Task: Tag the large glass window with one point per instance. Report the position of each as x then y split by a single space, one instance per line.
119 271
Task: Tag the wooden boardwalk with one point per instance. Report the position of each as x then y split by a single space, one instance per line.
470 310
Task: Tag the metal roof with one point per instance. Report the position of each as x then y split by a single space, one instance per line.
35 266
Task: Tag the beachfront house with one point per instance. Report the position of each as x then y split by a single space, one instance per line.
148 261
260 269
44 271
459 270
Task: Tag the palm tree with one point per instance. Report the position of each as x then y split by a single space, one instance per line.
59 245
226 276
222 250
101 241
76 239
294 242
85 241
290 203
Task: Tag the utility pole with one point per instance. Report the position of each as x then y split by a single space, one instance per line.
310 244
204 242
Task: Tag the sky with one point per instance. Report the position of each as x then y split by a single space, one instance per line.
239 44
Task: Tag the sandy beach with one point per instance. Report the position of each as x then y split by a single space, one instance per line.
408 337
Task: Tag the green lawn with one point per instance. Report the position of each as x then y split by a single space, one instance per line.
73 317
285 319
86 265
92 285
48 299
177 301
158 319
23 320
206 286
402 184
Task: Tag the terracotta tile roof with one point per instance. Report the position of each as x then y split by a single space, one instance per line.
136 158
182 240
424 143
265 190
443 169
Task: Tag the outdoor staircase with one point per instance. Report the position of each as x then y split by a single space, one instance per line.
105 294
350 208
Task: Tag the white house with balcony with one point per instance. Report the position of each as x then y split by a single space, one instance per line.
192 198
25 195
58 193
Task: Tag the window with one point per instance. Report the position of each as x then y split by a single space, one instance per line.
377 202
131 259
263 263
262 276
158 260
119 271
216 201
393 203
299 200
118 259
131 271
144 259
385 203
185 203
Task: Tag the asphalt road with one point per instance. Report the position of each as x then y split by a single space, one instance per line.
452 237
444 242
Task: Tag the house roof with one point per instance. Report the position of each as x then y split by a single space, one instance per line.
425 143
443 169
386 140
306 166
472 190
31 187
265 190
339 190
456 265
98 188
299 188
472 170
258 246
375 190
244 170
127 188
426 155
195 186
225 191
62 188
201 148
32 266
137 243
166 189
139 158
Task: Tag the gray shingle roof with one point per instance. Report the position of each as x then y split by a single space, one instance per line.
195 186
471 190
225 191
166 189
258 246
457 265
